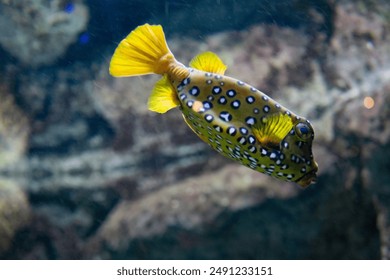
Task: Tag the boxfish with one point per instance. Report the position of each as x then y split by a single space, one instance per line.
237 120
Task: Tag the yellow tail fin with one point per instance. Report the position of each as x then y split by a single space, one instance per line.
143 51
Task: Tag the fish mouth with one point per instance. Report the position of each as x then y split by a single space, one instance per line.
309 178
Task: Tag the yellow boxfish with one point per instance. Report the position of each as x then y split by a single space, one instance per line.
237 120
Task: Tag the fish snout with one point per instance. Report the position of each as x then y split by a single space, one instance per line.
309 178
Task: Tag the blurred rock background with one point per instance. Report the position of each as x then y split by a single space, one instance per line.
86 172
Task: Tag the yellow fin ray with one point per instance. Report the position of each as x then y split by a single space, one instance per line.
163 97
143 51
208 62
273 129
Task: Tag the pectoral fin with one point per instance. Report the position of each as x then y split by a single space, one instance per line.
272 130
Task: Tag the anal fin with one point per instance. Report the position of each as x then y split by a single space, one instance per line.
163 97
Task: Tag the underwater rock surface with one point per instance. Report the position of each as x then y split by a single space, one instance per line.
14 213
191 205
14 128
104 178
38 32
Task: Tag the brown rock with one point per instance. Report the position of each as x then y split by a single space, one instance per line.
14 213
190 205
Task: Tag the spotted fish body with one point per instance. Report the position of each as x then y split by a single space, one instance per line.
237 120
222 111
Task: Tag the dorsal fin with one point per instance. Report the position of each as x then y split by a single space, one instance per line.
163 97
208 62
271 131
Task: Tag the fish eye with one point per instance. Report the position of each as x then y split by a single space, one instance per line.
303 131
